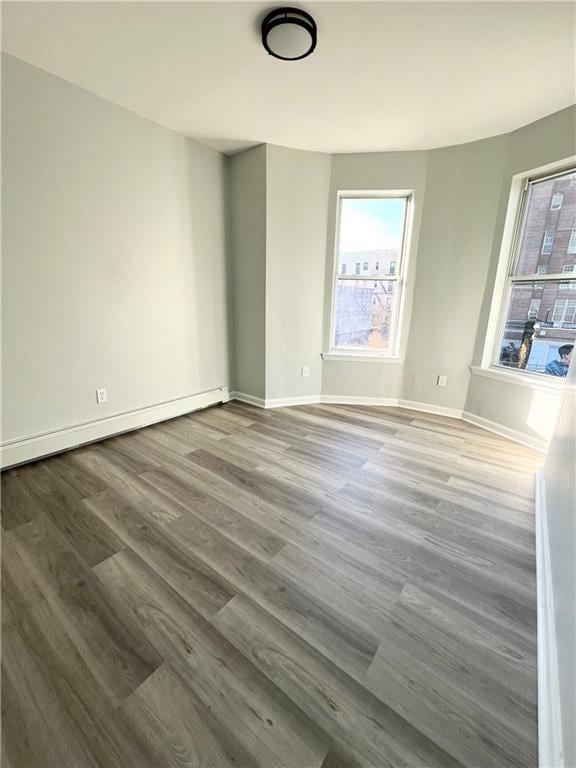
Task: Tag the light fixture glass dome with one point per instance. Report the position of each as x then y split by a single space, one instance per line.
289 34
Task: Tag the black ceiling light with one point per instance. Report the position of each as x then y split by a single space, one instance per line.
289 34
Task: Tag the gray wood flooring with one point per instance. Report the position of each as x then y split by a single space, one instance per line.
311 587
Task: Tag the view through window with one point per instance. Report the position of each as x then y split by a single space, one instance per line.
540 318
369 268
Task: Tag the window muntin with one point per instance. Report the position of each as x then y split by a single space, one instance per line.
366 305
539 319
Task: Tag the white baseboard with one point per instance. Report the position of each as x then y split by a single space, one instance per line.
282 402
353 400
550 751
435 410
277 402
259 402
25 449
537 443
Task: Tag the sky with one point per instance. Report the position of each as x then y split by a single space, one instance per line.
368 224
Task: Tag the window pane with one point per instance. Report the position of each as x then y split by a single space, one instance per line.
547 242
370 236
364 314
540 328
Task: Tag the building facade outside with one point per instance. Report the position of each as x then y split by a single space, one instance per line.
541 315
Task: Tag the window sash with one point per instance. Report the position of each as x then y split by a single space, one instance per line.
566 278
397 277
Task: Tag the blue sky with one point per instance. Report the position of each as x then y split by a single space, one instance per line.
370 224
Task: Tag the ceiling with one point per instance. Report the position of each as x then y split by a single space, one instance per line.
385 76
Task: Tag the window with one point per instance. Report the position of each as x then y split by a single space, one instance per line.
542 270
534 309
366 308
557 199
538 318
564 313
343 270
572 243
547 243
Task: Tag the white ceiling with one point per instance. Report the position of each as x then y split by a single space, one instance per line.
385 76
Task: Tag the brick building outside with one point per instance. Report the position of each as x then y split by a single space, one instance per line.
365 308
543 314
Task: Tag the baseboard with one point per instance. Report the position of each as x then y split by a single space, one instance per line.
435 410
550 751
353 400
26 449
259 402
537 443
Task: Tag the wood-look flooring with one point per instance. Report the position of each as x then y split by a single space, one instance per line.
312 587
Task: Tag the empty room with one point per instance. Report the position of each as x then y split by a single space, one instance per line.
288 437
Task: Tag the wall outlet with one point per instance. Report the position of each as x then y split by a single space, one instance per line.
101 396
442 381
305 370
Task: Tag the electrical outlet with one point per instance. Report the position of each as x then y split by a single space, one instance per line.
442 381
101 396
305 370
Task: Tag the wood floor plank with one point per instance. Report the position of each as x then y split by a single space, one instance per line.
323 586
179 730
202 586
244 702
112 650
359 726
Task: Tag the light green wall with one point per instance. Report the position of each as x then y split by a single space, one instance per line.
246 173
463 188
114 269
297 207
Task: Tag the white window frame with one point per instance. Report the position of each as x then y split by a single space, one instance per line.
567 302
509 252
398 319
533 309
557 196
548 242
572 243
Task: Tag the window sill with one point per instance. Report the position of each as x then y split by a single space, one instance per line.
533 381
364 357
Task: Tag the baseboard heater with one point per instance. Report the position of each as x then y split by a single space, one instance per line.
22 450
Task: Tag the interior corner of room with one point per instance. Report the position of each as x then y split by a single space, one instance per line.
147 275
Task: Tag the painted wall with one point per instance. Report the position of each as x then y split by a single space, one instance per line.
377 171
461 204
560 484
114 270
297 209
246 174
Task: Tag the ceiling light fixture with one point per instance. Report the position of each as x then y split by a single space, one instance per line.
289 34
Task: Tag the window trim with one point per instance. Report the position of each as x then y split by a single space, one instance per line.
508 255
355 354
